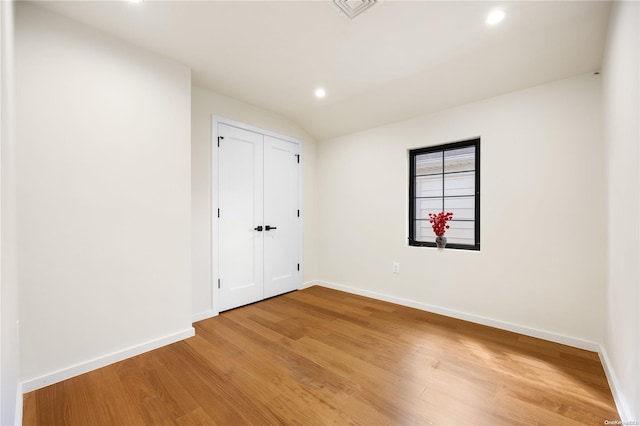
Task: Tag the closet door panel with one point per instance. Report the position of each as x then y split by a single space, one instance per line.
281 204
240 245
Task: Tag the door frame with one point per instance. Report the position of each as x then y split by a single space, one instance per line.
214 190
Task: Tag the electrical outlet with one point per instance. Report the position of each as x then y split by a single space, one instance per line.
396 267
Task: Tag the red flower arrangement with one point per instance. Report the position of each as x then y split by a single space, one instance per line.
439 222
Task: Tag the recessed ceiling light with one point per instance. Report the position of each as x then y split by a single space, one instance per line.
320 92
135 1
495 17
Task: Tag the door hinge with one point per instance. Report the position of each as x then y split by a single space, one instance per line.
218 282
298 266
218 212
298 157
298 212
219 139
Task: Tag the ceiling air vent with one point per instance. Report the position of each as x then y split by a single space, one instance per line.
353 8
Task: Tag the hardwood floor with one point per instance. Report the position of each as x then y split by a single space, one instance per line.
323 357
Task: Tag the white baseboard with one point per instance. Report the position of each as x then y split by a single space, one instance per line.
527 331
103 361
204 315
626 416
18 411
308 284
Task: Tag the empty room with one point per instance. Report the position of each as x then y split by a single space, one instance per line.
323 212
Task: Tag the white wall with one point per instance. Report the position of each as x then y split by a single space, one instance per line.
621 91
542 212
205 103
103 160
10 391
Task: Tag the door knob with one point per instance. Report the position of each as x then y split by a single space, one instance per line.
268 228
258 228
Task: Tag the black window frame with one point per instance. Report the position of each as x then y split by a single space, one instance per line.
412 198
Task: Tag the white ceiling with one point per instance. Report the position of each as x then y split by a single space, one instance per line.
398 60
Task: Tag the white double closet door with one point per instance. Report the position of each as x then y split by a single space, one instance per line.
259 216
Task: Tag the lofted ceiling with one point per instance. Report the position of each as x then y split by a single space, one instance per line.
398 60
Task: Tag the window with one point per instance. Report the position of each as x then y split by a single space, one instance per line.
445 178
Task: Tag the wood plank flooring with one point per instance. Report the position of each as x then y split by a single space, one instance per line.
323 357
